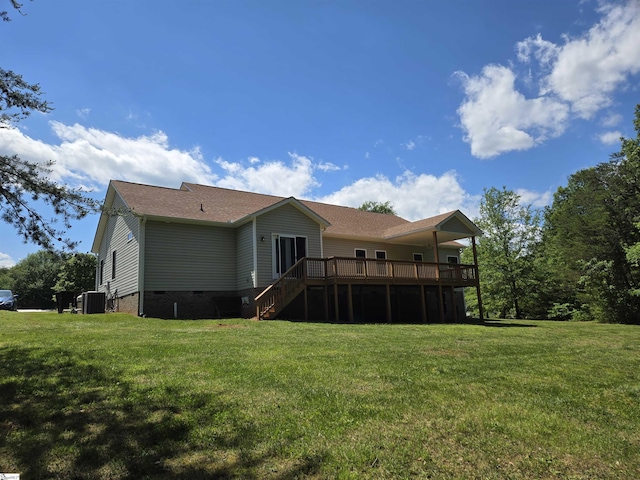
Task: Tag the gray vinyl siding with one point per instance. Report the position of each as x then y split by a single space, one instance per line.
285 220
445 252
455 225
339 247
244 260
182 257
116 239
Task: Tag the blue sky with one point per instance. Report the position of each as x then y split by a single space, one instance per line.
421 103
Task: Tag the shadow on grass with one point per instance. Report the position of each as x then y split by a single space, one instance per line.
490 323
63 418
495 323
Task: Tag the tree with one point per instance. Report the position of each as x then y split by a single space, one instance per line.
505 251
378 207
4 15
77 274
592 236
35 277
6 279
25 185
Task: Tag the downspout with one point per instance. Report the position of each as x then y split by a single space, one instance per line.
255 254
97 279
141 254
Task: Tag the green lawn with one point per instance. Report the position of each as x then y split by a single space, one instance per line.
115 396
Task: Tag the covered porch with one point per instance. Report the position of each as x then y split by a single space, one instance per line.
335 284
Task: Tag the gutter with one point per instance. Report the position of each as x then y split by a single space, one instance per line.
141 249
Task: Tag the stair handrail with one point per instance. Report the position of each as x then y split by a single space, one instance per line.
276 293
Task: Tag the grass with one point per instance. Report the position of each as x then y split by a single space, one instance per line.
119 397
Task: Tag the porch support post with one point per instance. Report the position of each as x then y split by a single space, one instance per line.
336 306
436 254
306 305
350 302
423 304
388 303
475 262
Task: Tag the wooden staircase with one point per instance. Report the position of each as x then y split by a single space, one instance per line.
279 294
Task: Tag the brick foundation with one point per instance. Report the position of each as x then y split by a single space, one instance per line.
129 303
191 305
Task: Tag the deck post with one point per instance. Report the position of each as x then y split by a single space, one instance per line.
350 302
388 303
454 305
306 305
475 261
440 304
336 306
423 304
326 303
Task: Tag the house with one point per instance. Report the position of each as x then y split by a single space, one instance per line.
200 251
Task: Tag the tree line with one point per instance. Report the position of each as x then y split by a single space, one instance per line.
40 275
577 259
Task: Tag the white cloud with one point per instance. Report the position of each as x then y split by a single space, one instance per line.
273 177
92 156
497 118
327 167
6 261
536 199
412 196
611 120
576 79
409 146
610 138
83 112
588 69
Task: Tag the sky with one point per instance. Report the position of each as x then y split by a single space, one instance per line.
421 103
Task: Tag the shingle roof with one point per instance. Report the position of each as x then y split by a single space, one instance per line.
192 202
424 224
220 205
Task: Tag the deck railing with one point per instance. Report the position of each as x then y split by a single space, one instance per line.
359 270
393 271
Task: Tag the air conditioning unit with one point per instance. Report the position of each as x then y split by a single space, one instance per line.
93 302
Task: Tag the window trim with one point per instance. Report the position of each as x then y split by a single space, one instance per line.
456 257
384 252
356 250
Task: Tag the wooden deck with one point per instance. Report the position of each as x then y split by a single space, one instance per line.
354 271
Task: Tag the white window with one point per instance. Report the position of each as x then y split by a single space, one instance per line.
417 257
360 253
453 259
